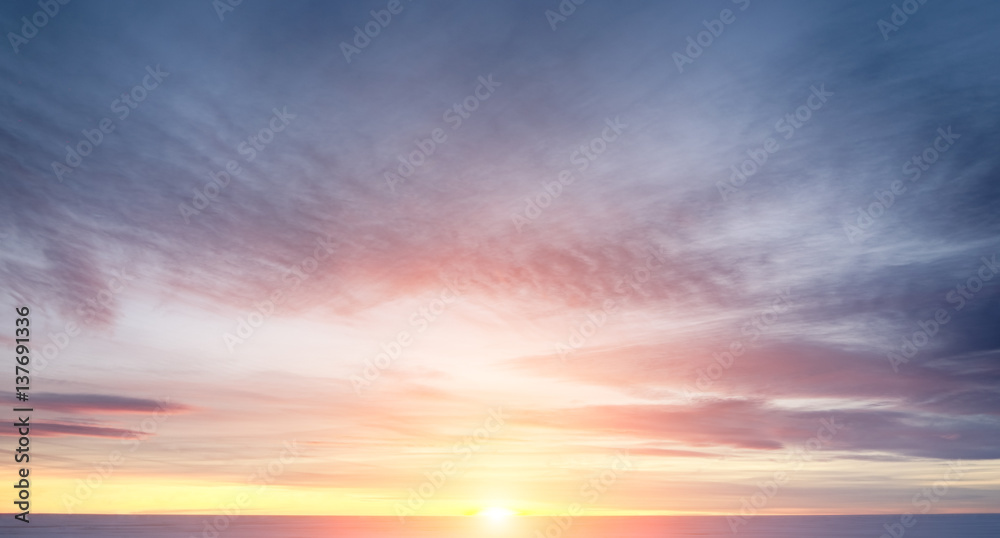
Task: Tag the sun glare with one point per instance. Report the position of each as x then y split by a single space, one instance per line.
496 513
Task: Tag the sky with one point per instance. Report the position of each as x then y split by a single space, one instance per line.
631 257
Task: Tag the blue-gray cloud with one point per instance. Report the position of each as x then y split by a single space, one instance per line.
323 175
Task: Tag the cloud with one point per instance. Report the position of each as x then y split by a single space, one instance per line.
63 429
105 404
755 424
657 188
652 195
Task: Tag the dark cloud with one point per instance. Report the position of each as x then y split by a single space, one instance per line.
61 429
749 424
105 404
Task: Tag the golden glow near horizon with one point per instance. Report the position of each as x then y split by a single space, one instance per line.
497 514
439 434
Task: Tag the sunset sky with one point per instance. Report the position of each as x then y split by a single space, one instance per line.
610 255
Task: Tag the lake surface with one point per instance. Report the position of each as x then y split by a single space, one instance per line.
93 526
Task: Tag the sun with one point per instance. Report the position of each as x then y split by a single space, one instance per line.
497 513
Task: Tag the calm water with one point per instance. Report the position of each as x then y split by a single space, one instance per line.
83 526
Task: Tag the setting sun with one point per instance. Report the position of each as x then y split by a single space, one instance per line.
497 513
